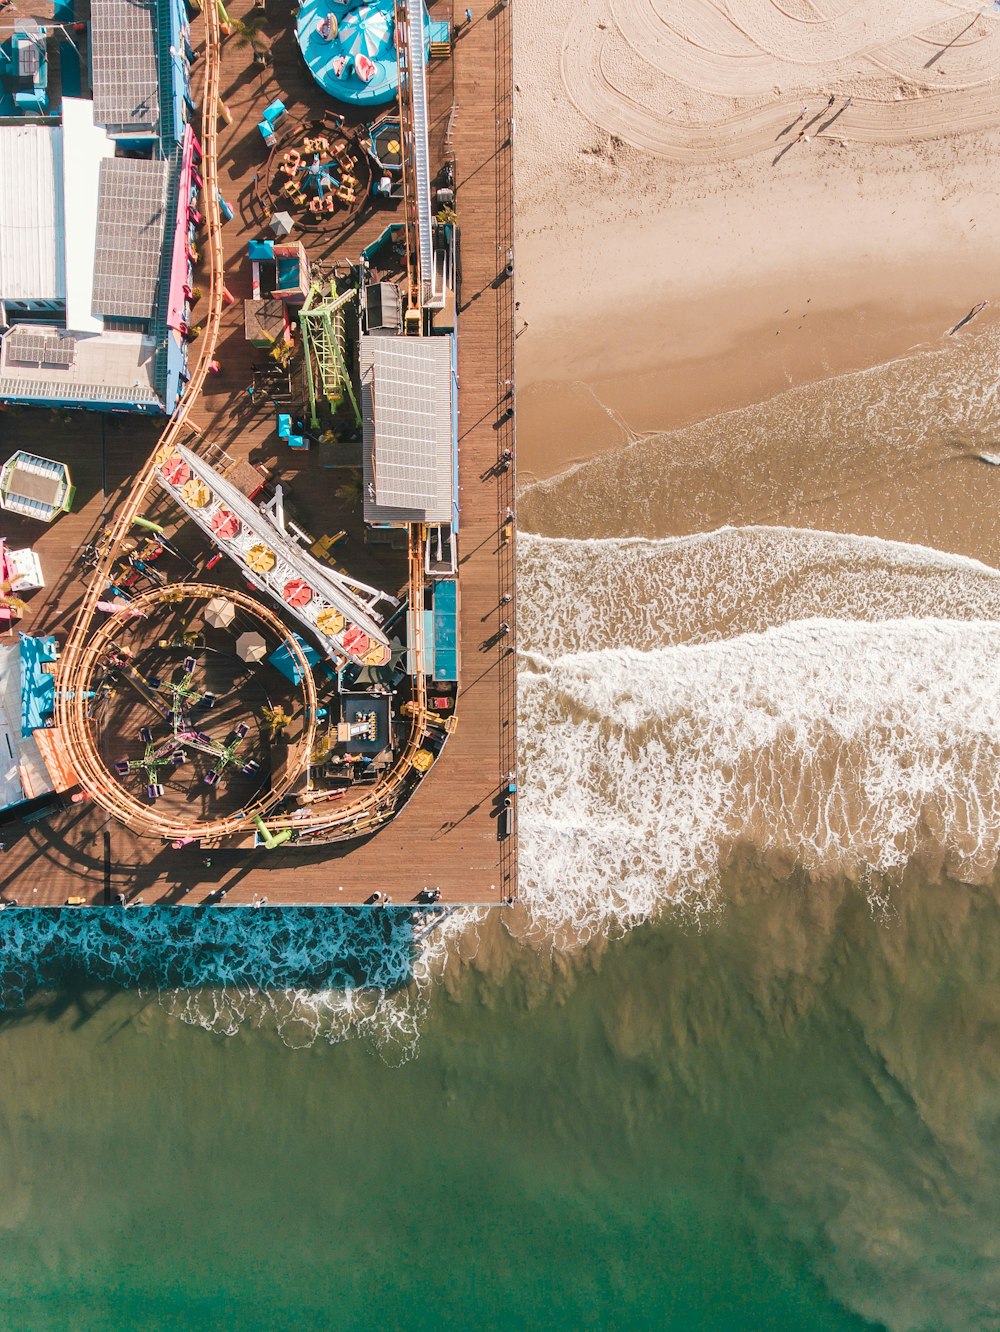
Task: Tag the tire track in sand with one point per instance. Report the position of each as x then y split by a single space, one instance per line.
590 81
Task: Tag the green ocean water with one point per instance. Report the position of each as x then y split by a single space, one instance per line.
787 1116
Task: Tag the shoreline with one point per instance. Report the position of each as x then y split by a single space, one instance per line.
568 421
657 289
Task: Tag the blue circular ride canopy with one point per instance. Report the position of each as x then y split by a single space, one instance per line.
350 47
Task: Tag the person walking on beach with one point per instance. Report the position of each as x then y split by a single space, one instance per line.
849 102
803 113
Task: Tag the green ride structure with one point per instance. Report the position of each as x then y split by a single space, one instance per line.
321 320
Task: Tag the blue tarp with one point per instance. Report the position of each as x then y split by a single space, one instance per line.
283 661
260 250
38 690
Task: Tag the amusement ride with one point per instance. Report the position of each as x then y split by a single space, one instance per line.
177 730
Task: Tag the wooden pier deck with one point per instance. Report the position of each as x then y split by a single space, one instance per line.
446 837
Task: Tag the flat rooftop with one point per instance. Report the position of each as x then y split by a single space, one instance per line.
32 226
103 367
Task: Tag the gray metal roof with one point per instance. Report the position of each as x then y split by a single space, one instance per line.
407 392
131 211
126 81
382 307
31 214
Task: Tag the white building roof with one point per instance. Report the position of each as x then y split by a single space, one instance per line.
85 145
407 403
32 220
45 364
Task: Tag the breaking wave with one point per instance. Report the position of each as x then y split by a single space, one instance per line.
602 593
809 700
847 749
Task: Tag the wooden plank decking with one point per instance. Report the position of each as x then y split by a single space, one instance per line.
447 836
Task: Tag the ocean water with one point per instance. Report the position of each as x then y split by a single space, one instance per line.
732 1062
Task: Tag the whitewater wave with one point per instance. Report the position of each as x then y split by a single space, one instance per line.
843 748
789 695
603 593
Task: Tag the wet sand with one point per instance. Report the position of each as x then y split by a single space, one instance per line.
568 420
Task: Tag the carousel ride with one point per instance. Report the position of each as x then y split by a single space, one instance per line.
188 700
180 730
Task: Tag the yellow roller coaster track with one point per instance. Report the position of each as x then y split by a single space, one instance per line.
84 653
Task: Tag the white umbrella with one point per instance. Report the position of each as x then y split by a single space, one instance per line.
220 613
251 647
281 223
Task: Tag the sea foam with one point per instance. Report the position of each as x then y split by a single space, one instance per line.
841 747
580 595
306 973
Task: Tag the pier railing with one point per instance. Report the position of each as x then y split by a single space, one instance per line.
506 433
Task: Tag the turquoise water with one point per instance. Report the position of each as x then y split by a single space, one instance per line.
784 1117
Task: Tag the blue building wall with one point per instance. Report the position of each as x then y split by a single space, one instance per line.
174 68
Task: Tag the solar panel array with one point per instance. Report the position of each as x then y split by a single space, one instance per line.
406 429
131 208
27 347
125 75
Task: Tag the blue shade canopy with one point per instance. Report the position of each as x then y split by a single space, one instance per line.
367 31
363 31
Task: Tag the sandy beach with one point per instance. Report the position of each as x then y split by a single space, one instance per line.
700 228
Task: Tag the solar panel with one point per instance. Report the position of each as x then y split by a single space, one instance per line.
125 76
29 348
406 425
131 206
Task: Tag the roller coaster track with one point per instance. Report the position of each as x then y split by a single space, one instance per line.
83 657
135 813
